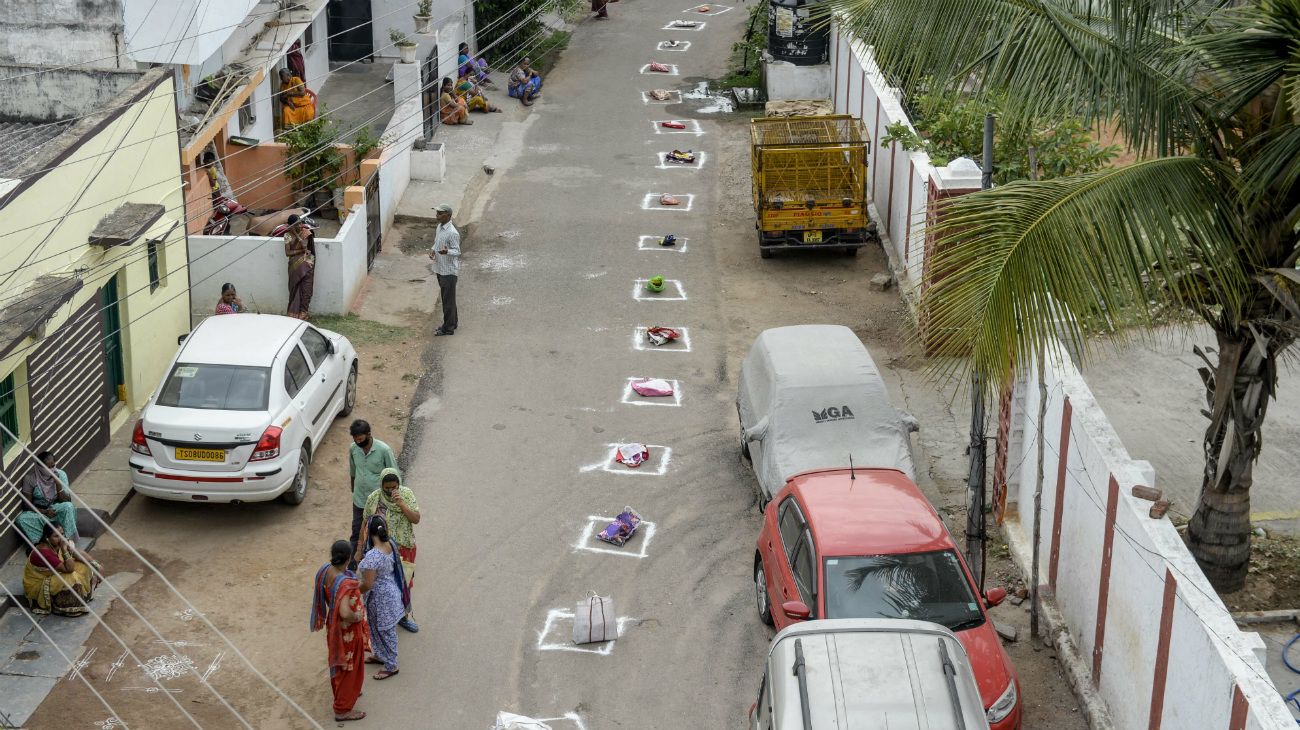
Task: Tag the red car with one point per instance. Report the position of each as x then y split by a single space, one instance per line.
868 544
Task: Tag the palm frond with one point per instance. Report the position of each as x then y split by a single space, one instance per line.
1052 58
1245 50
1272 167
1017 265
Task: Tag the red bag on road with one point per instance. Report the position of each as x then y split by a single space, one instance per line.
672 125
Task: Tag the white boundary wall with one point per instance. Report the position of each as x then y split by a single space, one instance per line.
1215 677
259 271
900 181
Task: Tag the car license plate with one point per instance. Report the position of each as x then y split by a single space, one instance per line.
812 236
184 454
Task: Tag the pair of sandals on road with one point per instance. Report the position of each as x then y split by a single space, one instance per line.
382 674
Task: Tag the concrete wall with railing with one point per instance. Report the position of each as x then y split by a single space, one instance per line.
256 265
1131 613
901 184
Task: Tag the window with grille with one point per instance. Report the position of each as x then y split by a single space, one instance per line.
8 413
154 250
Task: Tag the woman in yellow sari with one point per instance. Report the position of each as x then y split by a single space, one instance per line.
297 103
58 578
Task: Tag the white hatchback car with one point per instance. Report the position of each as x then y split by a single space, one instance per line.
244 405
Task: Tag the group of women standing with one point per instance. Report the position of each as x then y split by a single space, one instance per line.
361 610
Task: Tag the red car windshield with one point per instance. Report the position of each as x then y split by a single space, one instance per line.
919 586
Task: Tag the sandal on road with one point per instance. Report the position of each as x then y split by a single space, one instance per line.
372 659
385 674
354 715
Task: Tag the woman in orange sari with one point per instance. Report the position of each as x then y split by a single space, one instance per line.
338 608
297 105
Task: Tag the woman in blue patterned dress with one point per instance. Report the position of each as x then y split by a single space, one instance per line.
387 597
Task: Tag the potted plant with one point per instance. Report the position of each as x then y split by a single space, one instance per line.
423 16
313 163
405 46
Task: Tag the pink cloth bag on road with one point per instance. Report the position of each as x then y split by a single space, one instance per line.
654 388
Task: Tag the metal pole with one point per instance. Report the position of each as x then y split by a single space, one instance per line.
975 481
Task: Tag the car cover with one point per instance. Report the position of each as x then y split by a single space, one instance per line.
810 396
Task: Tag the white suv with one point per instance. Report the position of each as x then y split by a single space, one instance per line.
244 405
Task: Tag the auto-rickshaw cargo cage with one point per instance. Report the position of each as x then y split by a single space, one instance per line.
801 159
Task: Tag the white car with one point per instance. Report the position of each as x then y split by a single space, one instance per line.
244 405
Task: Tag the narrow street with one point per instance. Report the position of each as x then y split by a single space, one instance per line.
510 428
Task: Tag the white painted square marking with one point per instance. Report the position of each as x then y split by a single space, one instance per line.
632 398
561 618
656 466
664 164
587 541
675 46
682 344
712 9
651 243
692 127
684 202
674 97
699 25
673 292
672 70
572 717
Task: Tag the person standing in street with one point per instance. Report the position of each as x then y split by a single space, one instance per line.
398 506
387 598
367 459
446 264
337 607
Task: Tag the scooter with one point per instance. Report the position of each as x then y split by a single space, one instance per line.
223 210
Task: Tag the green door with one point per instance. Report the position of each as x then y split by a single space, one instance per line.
115 377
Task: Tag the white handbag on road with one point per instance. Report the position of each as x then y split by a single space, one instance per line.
511 721
594 620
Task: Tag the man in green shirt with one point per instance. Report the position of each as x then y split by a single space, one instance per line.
367 459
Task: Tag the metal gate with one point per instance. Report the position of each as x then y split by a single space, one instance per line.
67 379
429 85
374 222
349 23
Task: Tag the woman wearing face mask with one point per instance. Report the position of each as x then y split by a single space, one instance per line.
397 505
387 598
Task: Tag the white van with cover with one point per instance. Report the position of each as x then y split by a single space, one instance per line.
869 674
810 397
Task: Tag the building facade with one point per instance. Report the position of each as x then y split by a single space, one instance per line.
94 282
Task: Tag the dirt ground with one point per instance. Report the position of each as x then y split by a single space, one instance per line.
247 566
1274 579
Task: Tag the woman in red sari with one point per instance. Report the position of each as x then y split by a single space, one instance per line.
338 608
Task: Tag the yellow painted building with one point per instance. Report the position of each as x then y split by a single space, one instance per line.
93 274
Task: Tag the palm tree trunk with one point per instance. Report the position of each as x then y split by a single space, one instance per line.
1237 390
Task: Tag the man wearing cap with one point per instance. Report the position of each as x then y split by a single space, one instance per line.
446 264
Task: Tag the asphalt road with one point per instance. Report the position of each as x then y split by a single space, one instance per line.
523 402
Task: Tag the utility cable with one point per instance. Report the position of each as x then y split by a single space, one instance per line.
247 149
304 155
109 530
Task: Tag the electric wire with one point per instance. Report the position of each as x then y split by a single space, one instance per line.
145 561
230 155
267 176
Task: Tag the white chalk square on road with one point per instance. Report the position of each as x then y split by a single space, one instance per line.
708 9
637 547
692 127
673 292
682 344
672 70
664 164
673 46
651 243
632 398
685 201
557 633
655 466
571 719
674 97
675 25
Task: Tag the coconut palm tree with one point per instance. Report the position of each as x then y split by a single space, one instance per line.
1208 94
